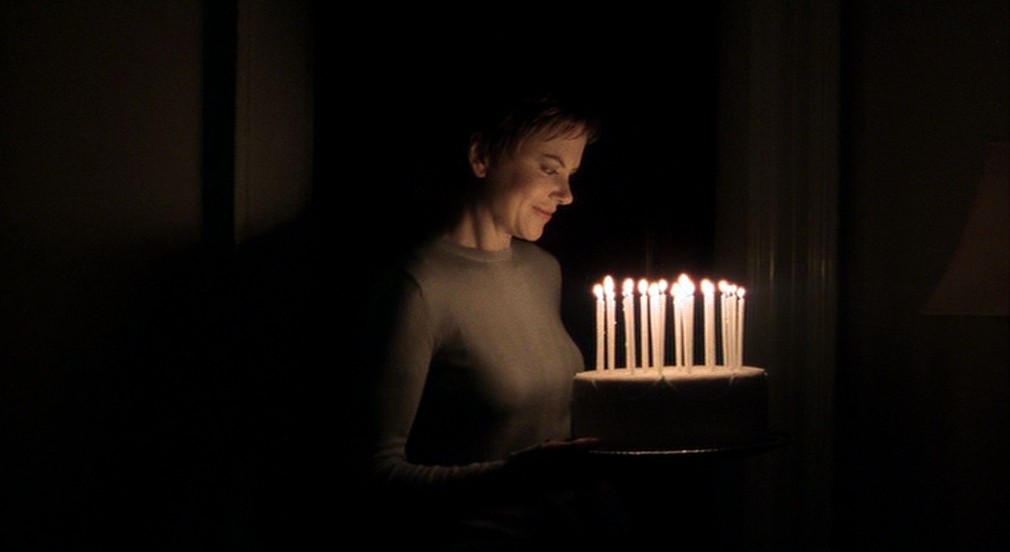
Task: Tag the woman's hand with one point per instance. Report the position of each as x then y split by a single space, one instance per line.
577 444
550 463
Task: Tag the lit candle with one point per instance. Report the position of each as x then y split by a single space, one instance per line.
628 304
708 290
731 325
661 330
643 314
654 322
678 324
740 292
724 319
598 291
611 330
688 287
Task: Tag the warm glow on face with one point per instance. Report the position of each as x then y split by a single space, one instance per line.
527 187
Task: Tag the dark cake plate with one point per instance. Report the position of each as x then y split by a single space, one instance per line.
774 440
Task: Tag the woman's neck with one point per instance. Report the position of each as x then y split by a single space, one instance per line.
476 229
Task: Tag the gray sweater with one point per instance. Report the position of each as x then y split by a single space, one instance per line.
468 363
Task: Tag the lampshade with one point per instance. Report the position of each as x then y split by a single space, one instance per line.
977 279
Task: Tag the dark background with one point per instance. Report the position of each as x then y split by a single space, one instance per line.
175 326
645 195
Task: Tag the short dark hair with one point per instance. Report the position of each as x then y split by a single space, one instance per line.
503 124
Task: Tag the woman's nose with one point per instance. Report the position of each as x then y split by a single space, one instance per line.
564 193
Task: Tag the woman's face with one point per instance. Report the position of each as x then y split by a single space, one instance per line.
525 189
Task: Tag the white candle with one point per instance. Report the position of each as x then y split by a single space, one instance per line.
731 325
708 290
598 291
611 330
628 304
740 291
661 330
688 287
678 324
654 322
724 319
643 317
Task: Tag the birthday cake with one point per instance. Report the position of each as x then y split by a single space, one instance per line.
675 408
664 397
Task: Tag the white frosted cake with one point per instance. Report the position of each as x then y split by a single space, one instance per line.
676 408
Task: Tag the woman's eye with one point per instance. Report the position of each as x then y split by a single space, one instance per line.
549 170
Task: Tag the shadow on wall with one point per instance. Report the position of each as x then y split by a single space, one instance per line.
210 419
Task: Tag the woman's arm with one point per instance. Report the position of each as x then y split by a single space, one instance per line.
399 346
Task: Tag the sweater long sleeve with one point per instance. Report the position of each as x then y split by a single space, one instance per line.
468 363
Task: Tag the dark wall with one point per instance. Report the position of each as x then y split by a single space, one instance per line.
923 421
149 379
100 127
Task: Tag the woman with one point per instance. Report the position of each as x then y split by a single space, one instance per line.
471 367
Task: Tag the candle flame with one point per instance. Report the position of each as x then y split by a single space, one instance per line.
628 286
687 286
727 288
682 290
707 287
608 286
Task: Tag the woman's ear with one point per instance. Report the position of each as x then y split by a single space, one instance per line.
478 162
